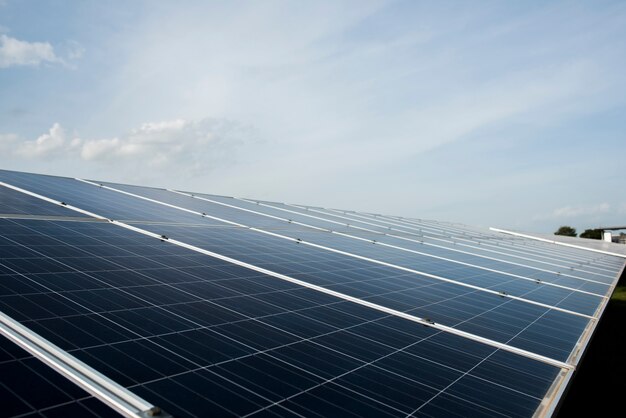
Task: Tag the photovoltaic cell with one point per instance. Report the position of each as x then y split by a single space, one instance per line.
15 204
103 202
571 256
233 215
439 235
29 388
251 219
487 315
179 348
579 302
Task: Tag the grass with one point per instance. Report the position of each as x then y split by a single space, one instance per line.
619 296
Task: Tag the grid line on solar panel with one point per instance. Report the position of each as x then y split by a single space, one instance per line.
306 242
424 321
552 252
30 388
90 199
279 207
600 279
422 229
450 235
378 306
16 204
529 261
375 239
436 394
422 239
480 328
557 252
565 244
121 400
381 404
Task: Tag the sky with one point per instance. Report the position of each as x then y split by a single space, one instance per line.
491 113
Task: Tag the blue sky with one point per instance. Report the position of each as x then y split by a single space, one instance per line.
494 113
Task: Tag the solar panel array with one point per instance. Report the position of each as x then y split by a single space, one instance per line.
173 303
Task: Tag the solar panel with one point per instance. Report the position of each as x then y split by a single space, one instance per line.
14 204
227 307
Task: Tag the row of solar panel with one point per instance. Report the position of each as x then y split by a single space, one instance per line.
191 332
316 266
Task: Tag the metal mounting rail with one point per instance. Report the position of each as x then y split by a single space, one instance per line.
558 273
384 244
583 261
599 267
421 241
117 397
111 393
580 247
372 260
456 240
423 321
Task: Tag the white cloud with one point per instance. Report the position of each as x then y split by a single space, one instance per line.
188 145
14 52
45 145
571 212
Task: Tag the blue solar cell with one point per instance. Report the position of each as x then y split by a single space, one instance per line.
229 214
487 315
178 343
29 388
582 303
457 238
97 200
14 203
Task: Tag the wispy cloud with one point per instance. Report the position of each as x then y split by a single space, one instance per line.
19 53
572 212
14 52
187 145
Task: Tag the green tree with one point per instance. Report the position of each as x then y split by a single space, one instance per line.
568 231
592 234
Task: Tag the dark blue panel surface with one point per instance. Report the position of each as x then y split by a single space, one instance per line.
102 202
458 238
201 206
450 250
426 262
487 315
530 251
28 388
199 336
14 203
